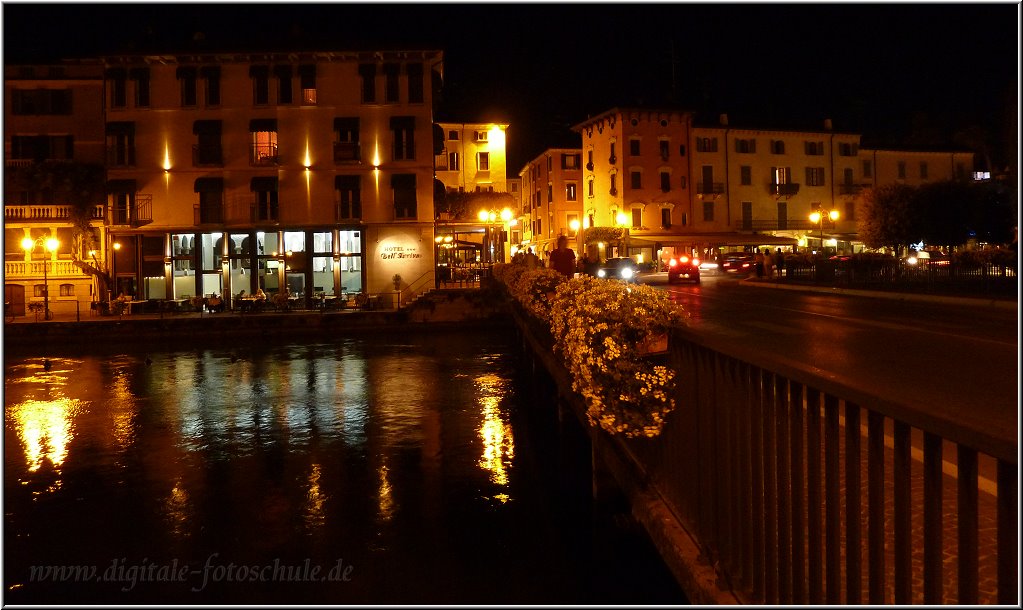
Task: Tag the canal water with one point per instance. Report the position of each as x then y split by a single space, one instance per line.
418 469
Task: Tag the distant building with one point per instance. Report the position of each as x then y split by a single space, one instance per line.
472 157
552 199
51 113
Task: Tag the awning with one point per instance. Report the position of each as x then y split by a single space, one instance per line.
263 125
121 186
205 185
719 239
263 183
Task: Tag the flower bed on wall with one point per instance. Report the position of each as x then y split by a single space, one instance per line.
605 331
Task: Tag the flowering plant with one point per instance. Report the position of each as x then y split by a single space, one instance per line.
598 326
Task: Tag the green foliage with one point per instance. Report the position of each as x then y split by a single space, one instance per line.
466 206
603 234
885 217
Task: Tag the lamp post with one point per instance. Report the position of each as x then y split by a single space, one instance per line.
490 218
50 245
817 218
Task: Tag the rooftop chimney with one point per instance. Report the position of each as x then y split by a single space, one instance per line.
724 120
827 124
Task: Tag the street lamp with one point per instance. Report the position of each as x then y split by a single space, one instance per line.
51 244
490 217
817 217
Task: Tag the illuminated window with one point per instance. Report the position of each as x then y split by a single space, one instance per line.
483 161
781 175
307 82
570 191
67 290
263 134
480 136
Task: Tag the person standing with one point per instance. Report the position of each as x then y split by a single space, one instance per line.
563 258
779 262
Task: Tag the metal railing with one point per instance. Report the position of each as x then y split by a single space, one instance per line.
768 470
45 213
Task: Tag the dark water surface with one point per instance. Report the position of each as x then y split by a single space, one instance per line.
395 470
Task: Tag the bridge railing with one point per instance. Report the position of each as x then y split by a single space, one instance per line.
802 490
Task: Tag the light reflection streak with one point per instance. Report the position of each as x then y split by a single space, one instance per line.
44 427
385 499
177 508
315 499
498 442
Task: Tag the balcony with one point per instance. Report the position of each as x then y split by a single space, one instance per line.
347 152
138 213
784 189
776 224
55 269
849 189
264 155
710 188
209 214
207 156
46 213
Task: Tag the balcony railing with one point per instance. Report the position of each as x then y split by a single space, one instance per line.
45 213
785 189
710 188
776 224
849 189
206 156
137 214
14 163
264 154
54 269
347 152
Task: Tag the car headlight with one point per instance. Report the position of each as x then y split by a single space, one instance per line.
627 273
601 273
911 260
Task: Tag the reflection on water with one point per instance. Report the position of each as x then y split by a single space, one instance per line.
396 456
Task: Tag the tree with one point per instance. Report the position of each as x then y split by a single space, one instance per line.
81 186
465 206
885 217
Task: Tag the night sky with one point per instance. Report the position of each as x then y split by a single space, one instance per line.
910 74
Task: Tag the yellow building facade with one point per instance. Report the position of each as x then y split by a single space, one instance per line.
551 199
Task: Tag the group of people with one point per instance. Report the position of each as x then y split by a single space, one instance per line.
767 265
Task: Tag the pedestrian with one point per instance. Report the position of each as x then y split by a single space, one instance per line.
779 262
563 258
758 263
768 264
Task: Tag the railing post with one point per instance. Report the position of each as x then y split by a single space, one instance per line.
967 510
853 491
933 530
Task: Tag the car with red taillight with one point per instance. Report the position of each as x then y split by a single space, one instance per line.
683 269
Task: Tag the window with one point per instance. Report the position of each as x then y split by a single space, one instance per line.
706 145
814 148
480 136
745 175
187 76
67 290
211 200
781 175
453 161
118 87
39 290
570 191
683 182
665 182
264 141
404 186
708 211
868 169
391 83
569 161
260 76
612 159
550 193
614 185
368 73
589 187
415 83
666 218
777 147
211 74
902 170
589 160
349 197
850 211
346 139
283 75
636 179
42 148
307 83
663 149
141 78
550 164
634 147
637 217
207 151
453 135
483 161
264 189
746 145
815 176
923 170
847 149
121 144
403 129
41 101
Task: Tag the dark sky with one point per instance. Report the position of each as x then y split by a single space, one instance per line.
906 72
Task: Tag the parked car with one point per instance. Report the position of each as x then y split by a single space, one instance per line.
924 258
621 268
737 262
683 268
